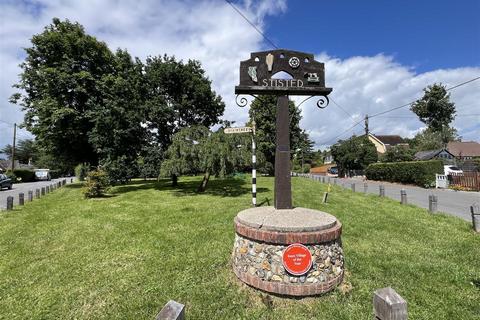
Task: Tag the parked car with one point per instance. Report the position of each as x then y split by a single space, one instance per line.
42 174
333 170
5 182
449 169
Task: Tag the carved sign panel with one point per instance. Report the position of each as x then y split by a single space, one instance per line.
258 75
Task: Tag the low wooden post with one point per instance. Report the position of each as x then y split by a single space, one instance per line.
172 311
432 203
37 193
64 182
389 305
365 187
21 199
30 195
325 197
403 196
382 190
71 180
9 203
47 189
43 191
475 210
353 187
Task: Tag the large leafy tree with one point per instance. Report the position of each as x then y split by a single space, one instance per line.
61 88
429 139
435 109
355 153
178 95
263 111
25 150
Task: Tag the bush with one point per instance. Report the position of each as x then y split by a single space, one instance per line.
421 173
55 174
81 171
21 175
97 184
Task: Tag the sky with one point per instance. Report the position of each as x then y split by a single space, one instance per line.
378 54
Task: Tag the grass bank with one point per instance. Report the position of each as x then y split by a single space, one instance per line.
124 256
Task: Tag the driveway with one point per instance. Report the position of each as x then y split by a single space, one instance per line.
24 187
456 203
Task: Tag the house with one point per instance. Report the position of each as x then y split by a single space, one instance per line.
328 158
434 154
464 150
383 142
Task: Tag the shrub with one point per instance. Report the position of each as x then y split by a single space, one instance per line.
421 173
81 171
54 174
97 184
22 175
11 175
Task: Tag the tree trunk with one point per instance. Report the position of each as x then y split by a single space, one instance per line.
203 185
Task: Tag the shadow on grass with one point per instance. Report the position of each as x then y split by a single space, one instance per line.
73 186
215 187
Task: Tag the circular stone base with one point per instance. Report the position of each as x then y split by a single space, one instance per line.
263 233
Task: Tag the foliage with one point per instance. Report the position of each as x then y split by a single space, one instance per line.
11 175
22 175
81 171
398 154
263 111
119 169
178 95
433 140
355 153
26 150
421 173
126 238
61 81
54 174
97 184
434 108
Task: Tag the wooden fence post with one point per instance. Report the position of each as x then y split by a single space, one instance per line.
21 199
382 190
37 193
30 195
43 191
475 210
9 203
432 203
365 187
389 305
353 187
172 311
403 196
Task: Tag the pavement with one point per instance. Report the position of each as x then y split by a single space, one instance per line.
455 203
24 187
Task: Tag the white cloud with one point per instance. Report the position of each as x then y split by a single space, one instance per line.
212 32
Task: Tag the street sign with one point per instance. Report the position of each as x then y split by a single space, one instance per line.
237 130
297 259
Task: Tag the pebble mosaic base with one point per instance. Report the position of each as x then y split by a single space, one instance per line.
260 265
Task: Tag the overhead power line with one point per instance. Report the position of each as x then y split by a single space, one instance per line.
252 24
407 104
341 134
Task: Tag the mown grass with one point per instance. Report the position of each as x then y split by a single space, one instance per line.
125 256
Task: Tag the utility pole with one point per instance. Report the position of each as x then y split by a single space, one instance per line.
13 146
366 125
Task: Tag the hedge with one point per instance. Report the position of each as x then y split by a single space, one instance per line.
421 173
21 175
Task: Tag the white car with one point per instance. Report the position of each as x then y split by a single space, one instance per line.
452 170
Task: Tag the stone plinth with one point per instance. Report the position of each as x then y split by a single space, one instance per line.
262 235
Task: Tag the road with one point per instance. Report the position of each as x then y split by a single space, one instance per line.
456 203
24 187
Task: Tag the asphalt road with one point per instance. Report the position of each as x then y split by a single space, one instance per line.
456 203
24 187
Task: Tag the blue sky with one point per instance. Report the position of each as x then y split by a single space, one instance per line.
425 35
377 54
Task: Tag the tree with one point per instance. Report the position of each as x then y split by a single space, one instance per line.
60 79
26 150
355 153
178 95
398 154
433 140
263 111
435 109
196 149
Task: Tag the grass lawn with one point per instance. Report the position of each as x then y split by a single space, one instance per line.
125 256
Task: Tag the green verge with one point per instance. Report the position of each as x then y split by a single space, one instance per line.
124 256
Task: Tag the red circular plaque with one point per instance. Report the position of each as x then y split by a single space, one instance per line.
297 259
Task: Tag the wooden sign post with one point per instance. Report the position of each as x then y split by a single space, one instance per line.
257 76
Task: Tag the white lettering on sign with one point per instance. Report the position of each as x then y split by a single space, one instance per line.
286 83
237 130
